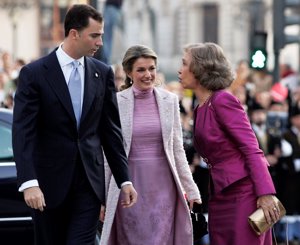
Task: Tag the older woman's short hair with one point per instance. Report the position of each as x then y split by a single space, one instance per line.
210 66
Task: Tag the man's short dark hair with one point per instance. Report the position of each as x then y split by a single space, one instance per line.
78 16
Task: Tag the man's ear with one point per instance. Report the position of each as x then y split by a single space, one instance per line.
74 34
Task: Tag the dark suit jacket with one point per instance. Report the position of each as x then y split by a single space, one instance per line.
292 138
291 179
46 141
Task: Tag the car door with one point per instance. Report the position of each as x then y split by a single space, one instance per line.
15 220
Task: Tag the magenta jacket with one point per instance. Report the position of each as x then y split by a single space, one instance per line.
225 140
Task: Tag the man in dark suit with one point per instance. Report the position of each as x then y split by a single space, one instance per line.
58 137
291 199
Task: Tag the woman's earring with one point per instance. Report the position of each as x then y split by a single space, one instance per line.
131 82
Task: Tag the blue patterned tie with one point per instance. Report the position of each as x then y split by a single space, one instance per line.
75 91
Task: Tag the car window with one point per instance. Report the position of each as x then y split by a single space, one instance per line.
6 151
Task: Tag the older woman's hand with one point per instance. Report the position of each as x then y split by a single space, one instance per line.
270 208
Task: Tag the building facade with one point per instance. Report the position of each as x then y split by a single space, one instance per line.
165 25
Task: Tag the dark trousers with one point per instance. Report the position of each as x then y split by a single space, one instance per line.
74 222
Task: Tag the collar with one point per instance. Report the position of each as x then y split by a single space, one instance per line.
64 59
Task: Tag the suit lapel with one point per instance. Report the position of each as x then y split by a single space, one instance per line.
126 106
164 108
91 82
56 79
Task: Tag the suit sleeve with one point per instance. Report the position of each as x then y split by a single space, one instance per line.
110 133
234 121
26 108
181 162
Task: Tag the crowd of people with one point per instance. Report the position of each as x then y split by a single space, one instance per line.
9 73
171 151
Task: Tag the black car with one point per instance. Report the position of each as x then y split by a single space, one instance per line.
15 220
16 225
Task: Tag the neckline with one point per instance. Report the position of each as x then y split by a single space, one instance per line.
207 100
141 94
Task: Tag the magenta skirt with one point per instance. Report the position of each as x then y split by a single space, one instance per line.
228 216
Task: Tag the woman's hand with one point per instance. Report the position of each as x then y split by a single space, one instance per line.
270 208
102 213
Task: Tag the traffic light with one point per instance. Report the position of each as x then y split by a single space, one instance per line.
285 13
258 51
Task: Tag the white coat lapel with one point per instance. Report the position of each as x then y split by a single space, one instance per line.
126 104
165 108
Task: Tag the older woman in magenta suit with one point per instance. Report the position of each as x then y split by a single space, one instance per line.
239 178
158 166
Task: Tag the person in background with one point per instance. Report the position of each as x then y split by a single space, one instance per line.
8 101
291 181
152 133
270 140
2 85
243 73
112 17
239 178
65 113
7 64
119 76
288 77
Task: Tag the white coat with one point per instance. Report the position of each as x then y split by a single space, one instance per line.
168 107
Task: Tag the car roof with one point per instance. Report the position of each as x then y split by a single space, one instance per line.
6 115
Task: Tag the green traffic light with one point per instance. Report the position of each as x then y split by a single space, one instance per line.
258 60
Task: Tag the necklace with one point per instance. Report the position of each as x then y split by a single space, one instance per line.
207 98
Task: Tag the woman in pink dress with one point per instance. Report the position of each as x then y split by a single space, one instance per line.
151 129
239 178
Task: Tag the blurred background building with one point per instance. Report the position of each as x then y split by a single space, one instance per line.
32 28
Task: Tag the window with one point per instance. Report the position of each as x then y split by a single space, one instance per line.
210 23
6 152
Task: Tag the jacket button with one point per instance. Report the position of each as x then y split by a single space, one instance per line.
205 160
209 166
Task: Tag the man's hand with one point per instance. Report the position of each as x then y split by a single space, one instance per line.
129 196
102 213
34 198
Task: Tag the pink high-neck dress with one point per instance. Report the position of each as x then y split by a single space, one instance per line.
151 220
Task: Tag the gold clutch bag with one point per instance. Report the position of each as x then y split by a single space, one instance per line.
258 222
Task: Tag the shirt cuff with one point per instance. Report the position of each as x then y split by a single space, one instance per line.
28 184
126 183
